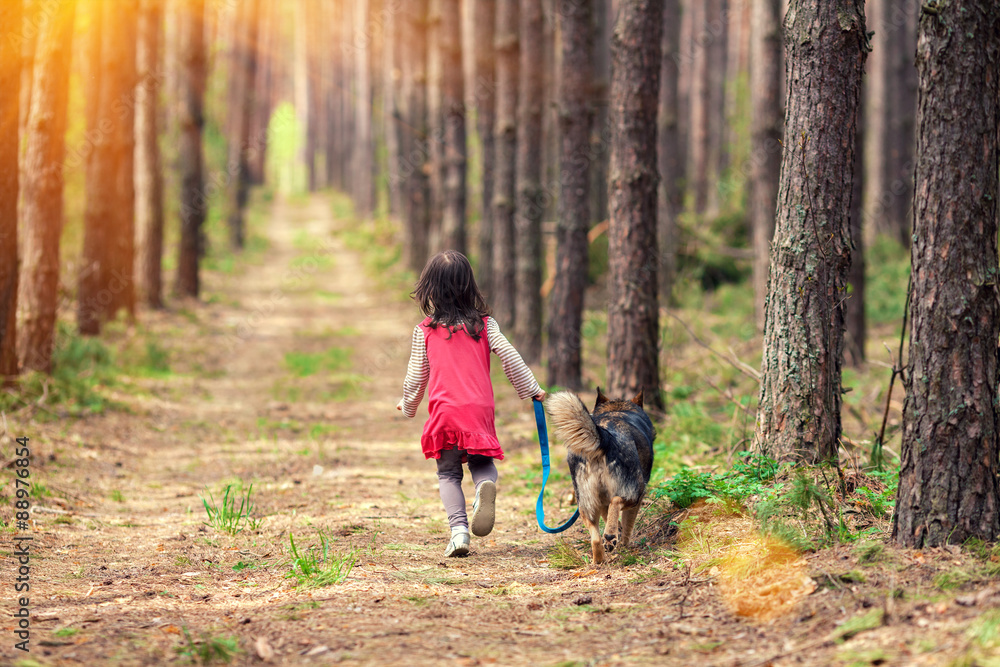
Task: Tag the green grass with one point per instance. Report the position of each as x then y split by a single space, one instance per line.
208 649
317 566
304 364
226 517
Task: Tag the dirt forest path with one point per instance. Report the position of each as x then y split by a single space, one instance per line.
288 380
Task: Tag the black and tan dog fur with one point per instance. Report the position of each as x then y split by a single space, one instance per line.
610 458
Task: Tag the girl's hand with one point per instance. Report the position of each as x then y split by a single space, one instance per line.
399 406
540 396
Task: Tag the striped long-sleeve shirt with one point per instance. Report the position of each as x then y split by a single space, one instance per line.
418 370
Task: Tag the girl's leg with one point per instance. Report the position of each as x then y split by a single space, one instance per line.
449 472
482 468
484 474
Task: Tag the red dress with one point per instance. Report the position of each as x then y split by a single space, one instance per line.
460 394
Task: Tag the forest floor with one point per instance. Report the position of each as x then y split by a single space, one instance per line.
287 380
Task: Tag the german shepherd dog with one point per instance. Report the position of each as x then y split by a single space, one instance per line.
610 457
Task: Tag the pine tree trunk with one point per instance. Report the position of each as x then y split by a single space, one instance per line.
891 100
120 280
600 139
392 66
413 167
575 120
506 137
42 190
453 112
485 15
716 52
948 490
148 168
528 214
670 155
242 105
107 268
263 87
10 83
633 310
194 203
29 27
765 140
699 106
364 149
799 414
855 322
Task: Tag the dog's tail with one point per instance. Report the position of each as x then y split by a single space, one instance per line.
574 424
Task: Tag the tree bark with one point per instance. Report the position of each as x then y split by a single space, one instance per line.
600 140
698 153
855 322
453 113
263 87
633 311
42 190
415 140
106 282
530 206
194 203
364 148
948 490
799 414
10 83
148 167
575 121
485 15
670 156
29 28
765 140
716 53
505 135
243 101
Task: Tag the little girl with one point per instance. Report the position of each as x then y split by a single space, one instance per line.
450 354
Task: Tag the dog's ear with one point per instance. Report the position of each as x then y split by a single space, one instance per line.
638 399
601 398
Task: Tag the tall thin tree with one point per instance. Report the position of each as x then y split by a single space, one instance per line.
670 154
242 105
575 119
485 16
364 146
948 489
42 189
765 140
506 137
633 310
415 137
530 204
800 397
10 82
194 203
148 168
453 111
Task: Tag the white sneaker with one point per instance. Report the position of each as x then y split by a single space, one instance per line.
458 545
484 509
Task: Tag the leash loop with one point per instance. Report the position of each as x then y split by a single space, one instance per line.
543 444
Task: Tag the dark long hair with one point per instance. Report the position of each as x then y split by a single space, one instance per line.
448 293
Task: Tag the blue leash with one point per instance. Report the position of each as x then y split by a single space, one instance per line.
543 444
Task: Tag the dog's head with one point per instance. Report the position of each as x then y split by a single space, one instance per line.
605 404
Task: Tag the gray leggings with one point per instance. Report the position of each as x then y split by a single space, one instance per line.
449 472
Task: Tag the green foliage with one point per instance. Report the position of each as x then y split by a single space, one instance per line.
227 517
564 556
687 486
208 649
82 368
748 477
317 565
867 621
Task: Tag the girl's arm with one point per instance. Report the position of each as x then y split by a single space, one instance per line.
513 366
417 372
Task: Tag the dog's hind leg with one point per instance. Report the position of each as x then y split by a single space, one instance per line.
611 523
628 523
596 548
